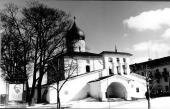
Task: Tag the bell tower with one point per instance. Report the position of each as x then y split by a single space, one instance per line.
75 39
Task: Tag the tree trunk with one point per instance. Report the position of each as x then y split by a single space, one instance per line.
31 100
41 69
25 74
58 97
58 100
39 100
27 91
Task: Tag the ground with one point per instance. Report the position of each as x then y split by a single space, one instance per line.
156 103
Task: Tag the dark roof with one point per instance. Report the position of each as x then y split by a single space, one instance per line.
112 52
82 54
105 77
75 33
81 75
99 79
152 63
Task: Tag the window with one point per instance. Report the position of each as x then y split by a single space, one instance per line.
166 88
110 71
166 79
124 69
87 68
117 60
158 74
165 74
150 75
143 74
88 61
118 70
137 89
165 69
79 49
158 80
124 59
110 60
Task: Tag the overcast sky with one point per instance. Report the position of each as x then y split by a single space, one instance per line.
141 28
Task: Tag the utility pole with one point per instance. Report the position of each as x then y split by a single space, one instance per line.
148 89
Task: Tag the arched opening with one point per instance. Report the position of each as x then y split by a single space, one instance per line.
116 90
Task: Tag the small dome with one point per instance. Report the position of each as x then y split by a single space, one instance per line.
81 34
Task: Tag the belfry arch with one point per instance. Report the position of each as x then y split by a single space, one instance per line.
116 90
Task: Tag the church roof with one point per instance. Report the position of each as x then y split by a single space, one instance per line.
82 54
112 52
110 77
75 33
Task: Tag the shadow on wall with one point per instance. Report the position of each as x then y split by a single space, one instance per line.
83 93
116 90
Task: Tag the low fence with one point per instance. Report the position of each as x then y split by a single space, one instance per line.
160 94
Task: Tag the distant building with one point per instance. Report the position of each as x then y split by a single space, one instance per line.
101 76
158 71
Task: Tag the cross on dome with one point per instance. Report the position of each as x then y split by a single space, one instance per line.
74 18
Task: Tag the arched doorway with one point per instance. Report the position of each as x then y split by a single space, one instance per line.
116 90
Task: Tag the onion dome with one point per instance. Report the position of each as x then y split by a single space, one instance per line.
75 33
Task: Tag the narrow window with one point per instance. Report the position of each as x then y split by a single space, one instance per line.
143 74
110 71
79 49
165 74
87 68
88 61
110 60
166 88
158 74
150 75
137 89
118 70
166 79
158 80
124 69
124 59
118 61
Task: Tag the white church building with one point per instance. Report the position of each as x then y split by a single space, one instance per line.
101 76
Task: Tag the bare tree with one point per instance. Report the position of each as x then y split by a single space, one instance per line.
61 71
36 34
15 47
46 28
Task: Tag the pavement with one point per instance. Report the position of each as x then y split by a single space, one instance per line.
156 103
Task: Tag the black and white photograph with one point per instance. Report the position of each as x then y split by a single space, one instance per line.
88 54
